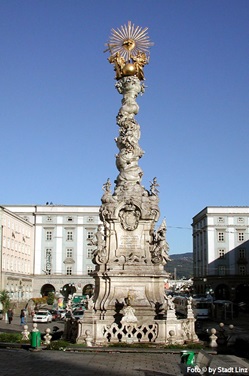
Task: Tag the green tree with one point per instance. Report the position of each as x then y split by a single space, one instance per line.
5 300
50 300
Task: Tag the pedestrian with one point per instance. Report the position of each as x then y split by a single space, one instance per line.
22 317
10 315
25 316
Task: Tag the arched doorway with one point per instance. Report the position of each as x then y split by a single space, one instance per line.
67 290
46 289
222 292
88 290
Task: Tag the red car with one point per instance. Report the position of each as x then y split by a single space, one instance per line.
55 314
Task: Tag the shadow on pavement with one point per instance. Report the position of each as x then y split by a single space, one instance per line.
46 363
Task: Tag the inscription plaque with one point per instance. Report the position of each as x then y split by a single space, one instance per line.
128 242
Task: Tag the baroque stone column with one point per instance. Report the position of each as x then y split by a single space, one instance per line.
130 254
130 249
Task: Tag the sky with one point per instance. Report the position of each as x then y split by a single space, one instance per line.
58 104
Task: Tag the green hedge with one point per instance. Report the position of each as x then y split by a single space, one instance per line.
11 337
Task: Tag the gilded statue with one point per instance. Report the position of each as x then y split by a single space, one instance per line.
129 48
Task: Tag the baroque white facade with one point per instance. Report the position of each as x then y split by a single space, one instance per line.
221 251
62 256
16 255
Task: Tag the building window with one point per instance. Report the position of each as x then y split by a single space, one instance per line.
242 270
70 235
241 236
222 270
49 235
204 237
49 218
242 253
197 240
221 236
220 220
90 234
69 252
89 253
70 219
90 219
69 270
89 269
221 253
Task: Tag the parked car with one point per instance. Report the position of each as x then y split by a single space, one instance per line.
42 316
55 314
77 307
67 315
78 315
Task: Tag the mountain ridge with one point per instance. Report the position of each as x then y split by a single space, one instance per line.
180 266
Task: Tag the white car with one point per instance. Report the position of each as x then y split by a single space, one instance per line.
42 316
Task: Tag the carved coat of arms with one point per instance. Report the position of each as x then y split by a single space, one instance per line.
129 217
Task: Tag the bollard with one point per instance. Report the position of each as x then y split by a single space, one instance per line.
213 338
25 333
35 338
47 337
88 338
188 357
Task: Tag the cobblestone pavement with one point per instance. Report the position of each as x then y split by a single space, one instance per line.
20 362
57 363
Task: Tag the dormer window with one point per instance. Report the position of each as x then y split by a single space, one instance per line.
240 220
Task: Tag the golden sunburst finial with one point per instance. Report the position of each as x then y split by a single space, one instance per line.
129 48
